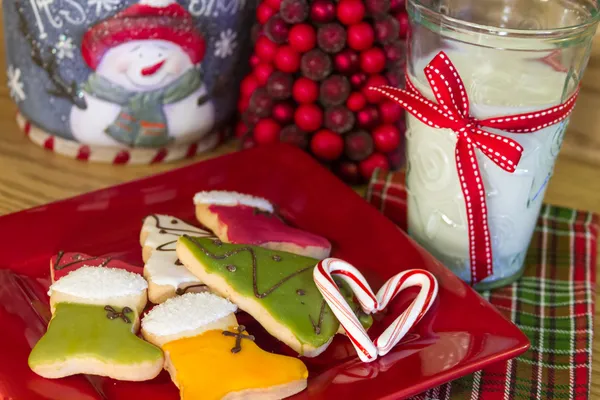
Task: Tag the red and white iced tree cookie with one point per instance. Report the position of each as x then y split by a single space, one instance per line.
63 263
166 276
95 317
209 356
243 219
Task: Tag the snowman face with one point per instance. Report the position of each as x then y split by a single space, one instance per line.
144 65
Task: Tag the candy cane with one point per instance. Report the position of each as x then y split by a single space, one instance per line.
371 303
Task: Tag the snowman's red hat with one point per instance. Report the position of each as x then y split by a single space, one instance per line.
148 19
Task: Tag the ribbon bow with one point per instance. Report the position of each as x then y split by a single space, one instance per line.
452 112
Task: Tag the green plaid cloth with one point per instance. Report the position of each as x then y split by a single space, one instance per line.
553 304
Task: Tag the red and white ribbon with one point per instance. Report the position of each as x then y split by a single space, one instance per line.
452 112
367 349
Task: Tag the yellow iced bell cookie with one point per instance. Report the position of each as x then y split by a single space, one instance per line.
210 356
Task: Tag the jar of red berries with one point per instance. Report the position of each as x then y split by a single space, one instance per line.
311 68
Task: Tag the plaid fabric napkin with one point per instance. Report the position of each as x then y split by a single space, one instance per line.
553 304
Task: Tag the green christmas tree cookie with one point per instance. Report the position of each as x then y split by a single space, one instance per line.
275 287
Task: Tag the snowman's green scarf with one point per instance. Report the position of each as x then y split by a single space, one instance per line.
142 121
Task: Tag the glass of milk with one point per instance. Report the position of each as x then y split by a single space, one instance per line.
514 56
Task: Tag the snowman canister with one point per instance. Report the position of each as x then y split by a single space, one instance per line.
126 81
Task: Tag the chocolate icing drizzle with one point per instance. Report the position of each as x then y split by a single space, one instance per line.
257 293
162 246
250 250
79 259
317 326
239 335
182 291
111 313
168 229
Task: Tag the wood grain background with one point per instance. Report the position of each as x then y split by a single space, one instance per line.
31 176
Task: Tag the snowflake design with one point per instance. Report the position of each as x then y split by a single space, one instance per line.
64 48
226 44
103 5
17 91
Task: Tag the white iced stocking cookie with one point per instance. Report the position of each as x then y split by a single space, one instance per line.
242 219
209 356
95 315
162 269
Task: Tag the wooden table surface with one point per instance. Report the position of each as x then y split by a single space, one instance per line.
31 176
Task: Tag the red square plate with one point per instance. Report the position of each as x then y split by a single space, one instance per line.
461 334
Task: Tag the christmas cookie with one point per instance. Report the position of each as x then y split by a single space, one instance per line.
275 287
95 315
238 218
209 356
63 263
165 274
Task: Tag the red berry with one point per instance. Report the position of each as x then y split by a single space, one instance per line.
250 118
374 81
254 60
348 171
372 61
356 102
265 49
339 119
266 131
274 4
322 11
305 90
358 80
248 142
386 138
358 145
346 61
377 7
315 65
283 113
368 166
243 104
387 29
262 72
350 11
396 77
403 24
261 103
395 51
302 37
294 11
277 29
334 90
279 85
327 145
287 59
308 117
397 5
331 37
361 36
390 112
249 85
240 129
368 117
293 135
264 12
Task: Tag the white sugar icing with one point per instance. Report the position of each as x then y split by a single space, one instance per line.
225 198
162 270
99 283
172 229
186 313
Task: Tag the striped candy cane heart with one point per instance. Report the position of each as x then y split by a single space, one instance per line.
371 303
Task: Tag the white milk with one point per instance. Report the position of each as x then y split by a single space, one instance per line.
497 85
